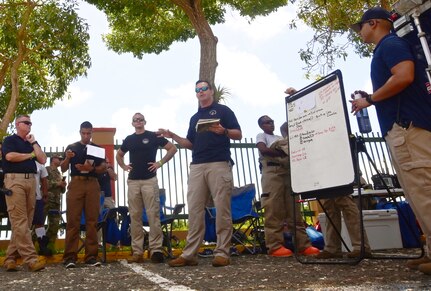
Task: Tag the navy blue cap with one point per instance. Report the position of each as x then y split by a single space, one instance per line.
372 13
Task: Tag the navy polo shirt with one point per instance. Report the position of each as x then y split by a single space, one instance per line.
15 143
143 150
413 104
207 146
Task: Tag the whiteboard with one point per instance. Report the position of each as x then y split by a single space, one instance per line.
321 158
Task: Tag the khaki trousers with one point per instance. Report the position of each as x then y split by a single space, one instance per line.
278 204
348 207
209 180
144 194
20 207
411 157
82 195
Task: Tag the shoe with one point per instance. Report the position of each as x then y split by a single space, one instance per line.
357 253
43 246
10 266
310 251
206 253
93 262
157 258
281 252
36 266
328 255
220 261
414 264
135 259
69 264
234 251
425 268
181 262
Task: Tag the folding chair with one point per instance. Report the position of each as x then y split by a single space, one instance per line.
166 221
245 220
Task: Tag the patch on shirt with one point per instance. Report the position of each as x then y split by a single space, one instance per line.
145 141
213 112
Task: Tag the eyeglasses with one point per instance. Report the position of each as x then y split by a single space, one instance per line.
26 122
204 88
138 120
268 122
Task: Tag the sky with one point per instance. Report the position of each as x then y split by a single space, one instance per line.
257 62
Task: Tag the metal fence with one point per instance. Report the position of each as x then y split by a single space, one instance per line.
173 175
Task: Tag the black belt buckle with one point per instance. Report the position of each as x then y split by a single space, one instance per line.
269 164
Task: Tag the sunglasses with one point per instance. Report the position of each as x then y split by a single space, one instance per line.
204 88
268 122
362 24
138 120
26 122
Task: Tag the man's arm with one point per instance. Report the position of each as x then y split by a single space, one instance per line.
171 149
184 142
120 160
269 152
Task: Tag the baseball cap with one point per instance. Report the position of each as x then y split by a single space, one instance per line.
372 13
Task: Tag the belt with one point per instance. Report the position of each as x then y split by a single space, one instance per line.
272 164
83 178
20 175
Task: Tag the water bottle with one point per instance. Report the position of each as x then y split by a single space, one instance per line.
363 118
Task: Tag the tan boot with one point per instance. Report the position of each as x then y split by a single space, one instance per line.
220 261
36 266
10 266
425 268
181 262
414 264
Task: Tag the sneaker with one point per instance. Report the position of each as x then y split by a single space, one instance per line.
135 259
310 251
69 264
425 268
181 262
10 266
220 261
281 252
357 253
157 258
414 264
328 255
36 266
93 262
206 253
234 251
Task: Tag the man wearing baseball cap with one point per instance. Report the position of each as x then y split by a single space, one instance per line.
403 106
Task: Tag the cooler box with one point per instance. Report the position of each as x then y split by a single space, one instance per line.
381 226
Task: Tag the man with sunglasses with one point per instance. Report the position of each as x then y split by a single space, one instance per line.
19 153
277 200
143 187
210 175
402 96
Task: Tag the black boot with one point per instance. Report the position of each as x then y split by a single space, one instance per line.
43 246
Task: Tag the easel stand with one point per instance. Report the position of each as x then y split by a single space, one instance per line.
360 147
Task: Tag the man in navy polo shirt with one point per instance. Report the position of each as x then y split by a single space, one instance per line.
403 106
210 174
19 153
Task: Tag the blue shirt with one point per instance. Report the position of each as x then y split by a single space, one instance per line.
143 150
15 143
413 104
207 146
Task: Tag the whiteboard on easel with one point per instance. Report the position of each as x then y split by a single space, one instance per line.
318 131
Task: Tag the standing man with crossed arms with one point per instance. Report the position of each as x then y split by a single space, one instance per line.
210 174
19 153
143 187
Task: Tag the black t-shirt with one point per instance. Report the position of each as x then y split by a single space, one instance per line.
143 150
80 157
105 184
15 143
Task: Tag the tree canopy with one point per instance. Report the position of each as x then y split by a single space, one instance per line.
330 19
151 26
43 48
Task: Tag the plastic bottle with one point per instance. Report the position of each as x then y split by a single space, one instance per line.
363 118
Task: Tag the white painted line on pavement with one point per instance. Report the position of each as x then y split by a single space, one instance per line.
157 279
